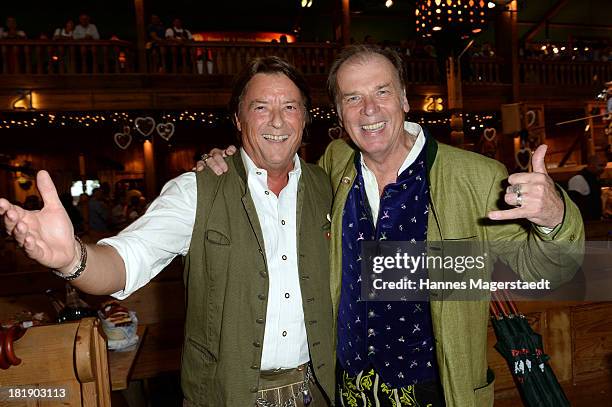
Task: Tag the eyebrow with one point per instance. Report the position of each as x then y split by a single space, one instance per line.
379 87
265 102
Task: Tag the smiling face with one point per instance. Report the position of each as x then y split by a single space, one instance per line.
271 119
372 104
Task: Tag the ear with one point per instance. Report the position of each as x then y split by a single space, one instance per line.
237 121
339 114
405 104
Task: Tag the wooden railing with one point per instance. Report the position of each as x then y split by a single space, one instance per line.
565 73
227 58
65 57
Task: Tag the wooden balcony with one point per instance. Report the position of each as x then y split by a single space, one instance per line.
99 75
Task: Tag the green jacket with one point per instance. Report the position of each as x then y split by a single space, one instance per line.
464 187
226 282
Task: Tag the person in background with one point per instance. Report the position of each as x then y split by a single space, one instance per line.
156 30
85 30
73 213
12 32
99 215
585 188
177 32
66 32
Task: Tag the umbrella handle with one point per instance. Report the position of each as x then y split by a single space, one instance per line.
510 302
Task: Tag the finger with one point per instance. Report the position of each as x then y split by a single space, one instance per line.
19 233
4 206
12 217
32 249
525 178
217 164
512 199
216 152
537 159
230 150
47 190
516 213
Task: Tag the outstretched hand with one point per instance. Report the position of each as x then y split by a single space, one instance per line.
534 195
215 160
46 235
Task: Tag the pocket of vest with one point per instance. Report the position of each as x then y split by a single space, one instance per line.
207 356
216 237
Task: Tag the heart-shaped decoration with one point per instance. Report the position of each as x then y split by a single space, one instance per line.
490 133
522 158
144 125
531 118
165 130
334 132
123 140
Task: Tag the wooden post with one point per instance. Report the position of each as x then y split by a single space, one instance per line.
506 44
82 173
346 22
149 167
455 99
141 36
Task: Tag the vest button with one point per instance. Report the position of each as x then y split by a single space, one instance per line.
259 320
261 296
263 273
346 180
255 367
257 344
371 348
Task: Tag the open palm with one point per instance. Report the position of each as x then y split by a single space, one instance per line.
46 235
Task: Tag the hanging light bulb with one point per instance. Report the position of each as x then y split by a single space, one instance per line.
388 3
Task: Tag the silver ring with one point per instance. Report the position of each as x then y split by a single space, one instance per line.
517 189
519 199
204 157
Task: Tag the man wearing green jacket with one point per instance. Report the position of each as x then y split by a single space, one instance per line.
394 182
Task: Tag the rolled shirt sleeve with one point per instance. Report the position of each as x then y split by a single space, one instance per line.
149 244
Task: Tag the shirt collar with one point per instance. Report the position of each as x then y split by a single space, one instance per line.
252 169
411 128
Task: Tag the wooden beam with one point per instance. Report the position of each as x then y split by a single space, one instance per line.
549 14
141 35
571 26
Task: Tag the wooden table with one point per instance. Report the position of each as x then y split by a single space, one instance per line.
121 363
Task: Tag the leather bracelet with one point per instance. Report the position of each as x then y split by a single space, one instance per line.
82 264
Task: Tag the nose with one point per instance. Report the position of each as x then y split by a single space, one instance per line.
370 106
276 118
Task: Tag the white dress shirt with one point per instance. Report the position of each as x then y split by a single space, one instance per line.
369 179
149 244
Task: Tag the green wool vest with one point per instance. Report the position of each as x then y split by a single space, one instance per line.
226 282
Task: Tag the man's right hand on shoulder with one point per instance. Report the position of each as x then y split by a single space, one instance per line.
215 160
47 235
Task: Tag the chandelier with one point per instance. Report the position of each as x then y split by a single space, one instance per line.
452 17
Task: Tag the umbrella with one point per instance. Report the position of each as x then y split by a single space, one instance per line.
523 350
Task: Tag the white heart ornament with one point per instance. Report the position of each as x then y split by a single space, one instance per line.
165 130
522 158
490 133
144 125
531 118
123 140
